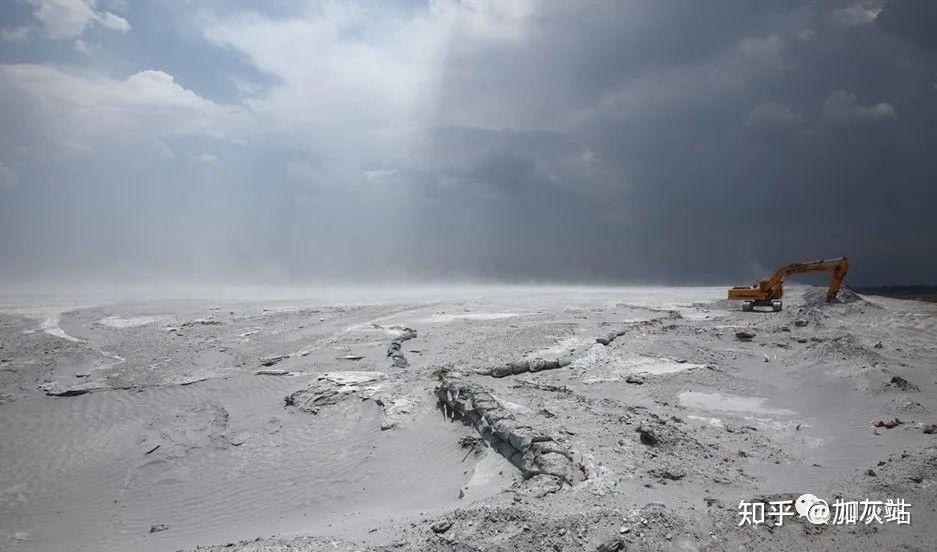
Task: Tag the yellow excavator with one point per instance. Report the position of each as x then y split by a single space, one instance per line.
767 293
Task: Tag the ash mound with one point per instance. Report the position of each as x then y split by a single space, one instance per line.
815 298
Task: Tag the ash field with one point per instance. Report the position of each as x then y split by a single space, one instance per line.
477 418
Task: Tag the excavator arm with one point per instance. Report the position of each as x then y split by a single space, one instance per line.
768 292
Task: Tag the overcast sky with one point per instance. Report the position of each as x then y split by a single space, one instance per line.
620 141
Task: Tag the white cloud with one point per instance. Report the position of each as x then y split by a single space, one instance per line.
380 175
357 82
63 18
8 178
83 46
245 87
113 22
69 18
841 106
203 157
158 88
484 21
155 88
858 14
335 63
765 48
87 109
16 34
116 5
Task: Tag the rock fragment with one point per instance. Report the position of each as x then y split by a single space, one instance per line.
647 436
671 475
55 389
271 360
201 322
441 526
887 424
332 388
268 372
394 352
898 383
611 545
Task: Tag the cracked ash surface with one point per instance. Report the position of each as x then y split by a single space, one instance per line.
471 419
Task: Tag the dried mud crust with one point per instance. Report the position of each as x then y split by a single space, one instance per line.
533 452
333 388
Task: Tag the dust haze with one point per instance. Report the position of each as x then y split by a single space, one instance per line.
639 142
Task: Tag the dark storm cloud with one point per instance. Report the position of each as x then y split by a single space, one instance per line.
642 141
912 19
718 140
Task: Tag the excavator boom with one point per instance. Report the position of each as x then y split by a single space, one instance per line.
768 292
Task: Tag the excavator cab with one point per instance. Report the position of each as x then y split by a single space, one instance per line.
767 293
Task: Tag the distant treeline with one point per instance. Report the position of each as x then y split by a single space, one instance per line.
923 293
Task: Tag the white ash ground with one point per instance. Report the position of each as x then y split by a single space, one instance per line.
171 425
